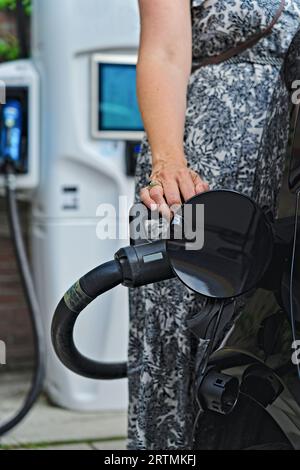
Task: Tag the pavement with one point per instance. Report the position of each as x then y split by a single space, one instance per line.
48 427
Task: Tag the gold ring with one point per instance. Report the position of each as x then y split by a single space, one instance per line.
153 183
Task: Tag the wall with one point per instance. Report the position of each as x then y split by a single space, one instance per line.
15 328
7 24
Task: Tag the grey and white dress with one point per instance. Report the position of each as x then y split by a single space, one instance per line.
235 137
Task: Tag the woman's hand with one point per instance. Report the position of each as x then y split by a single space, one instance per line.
172 184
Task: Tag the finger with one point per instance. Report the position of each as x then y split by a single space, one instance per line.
187 187
200 185
157 194
147 199
201 188
172 193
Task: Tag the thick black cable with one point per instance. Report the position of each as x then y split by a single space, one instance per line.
76 299
33 306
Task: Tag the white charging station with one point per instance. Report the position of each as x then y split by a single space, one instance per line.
82 168
84 56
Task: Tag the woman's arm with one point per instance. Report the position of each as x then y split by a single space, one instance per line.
163 72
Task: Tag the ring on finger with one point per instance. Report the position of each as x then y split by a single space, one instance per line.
153 184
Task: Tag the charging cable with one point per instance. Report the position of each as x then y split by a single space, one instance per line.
31 299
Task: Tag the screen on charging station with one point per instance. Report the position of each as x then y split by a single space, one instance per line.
118 105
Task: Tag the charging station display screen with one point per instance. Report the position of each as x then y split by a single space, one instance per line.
14 132
118 105
11 130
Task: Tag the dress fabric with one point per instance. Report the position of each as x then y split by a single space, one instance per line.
236 136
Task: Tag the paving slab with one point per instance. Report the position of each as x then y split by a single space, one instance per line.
49 425
58 447
68 447
113 445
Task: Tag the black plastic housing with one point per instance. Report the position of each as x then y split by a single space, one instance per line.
219 392
144 264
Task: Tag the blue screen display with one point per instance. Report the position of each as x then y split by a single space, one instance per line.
11 132
118 105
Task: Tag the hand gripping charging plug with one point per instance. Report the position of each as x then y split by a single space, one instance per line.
233 258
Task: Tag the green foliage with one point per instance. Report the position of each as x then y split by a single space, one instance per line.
9 47
11 5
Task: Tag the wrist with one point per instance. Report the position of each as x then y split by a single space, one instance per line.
163 160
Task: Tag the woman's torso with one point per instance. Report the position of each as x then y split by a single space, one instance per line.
219 25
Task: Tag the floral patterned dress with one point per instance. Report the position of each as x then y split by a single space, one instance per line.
235 137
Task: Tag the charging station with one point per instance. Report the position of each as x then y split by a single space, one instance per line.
83 133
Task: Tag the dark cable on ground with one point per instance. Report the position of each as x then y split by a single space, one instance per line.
34 310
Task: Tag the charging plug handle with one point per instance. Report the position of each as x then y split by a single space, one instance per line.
144 264
132 267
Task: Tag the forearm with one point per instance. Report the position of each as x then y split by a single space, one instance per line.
163 71
162 89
